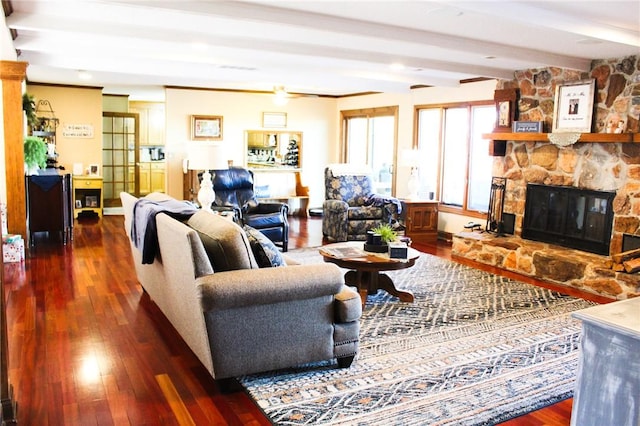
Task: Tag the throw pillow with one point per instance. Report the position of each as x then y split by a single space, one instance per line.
266 253
226 244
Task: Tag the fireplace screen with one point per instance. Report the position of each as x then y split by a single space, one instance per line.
568 216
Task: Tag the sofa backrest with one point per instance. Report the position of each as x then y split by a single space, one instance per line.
184 260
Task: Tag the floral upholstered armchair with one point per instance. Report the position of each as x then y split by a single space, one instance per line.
351 208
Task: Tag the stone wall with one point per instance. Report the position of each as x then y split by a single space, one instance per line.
617 97
597 166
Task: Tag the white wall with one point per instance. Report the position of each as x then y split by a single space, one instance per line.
476 91
314 117
317 118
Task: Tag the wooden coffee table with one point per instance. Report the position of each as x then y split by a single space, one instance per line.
366 268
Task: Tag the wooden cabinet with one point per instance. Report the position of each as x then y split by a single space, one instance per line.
420 220
87 195
157 177
151 122
145 178
152 176
49 205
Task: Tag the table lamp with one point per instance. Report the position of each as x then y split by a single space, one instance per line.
411 158
202 156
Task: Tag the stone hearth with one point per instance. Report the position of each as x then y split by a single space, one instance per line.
596 166
578 269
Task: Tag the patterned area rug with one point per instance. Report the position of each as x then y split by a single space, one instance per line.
473 349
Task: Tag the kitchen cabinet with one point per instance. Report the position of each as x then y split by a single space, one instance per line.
269 149
157 177
152 176
420 219
151 122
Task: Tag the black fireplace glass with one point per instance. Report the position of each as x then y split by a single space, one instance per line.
568 216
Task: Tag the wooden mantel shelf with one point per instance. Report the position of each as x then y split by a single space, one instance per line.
585 137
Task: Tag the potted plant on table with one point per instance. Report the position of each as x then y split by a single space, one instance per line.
35 154
379 238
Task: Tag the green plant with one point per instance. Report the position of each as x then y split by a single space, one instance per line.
35 152
29 108
386 232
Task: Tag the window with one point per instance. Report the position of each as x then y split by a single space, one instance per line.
370 138
457 164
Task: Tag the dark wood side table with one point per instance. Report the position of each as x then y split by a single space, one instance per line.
365 268
49 205
420 219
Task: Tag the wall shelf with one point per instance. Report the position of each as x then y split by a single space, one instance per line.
585 137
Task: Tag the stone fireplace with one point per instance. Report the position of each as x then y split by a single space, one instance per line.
569 217
599 167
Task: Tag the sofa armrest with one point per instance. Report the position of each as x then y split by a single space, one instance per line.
246 287
348 305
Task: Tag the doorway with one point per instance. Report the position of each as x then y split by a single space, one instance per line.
119 156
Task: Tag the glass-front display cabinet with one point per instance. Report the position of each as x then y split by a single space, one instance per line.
268 149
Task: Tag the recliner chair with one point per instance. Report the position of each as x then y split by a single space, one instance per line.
234 189
351 208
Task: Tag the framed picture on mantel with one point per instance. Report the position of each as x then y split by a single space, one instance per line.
573 107
506 107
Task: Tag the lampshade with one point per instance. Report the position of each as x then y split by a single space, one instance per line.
411 158
203 156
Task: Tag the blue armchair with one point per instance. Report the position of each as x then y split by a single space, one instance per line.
234 190
351 208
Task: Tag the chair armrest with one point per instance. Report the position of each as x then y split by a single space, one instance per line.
269 207
220 209
246 287
335 205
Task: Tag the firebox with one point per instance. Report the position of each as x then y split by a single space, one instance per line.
569 217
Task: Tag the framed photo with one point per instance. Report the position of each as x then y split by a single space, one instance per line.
91 201
78 204
206 127
573 108
94 170
274 119
505 109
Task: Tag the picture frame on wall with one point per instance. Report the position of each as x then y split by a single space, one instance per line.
276 120
573 107
505 100
206 127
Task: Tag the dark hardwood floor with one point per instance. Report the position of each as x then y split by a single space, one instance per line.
88 347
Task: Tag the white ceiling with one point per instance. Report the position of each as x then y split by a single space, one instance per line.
314 46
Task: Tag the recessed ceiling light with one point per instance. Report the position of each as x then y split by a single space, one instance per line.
396 66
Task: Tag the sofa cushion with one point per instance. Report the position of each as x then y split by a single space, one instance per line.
265 252
226 244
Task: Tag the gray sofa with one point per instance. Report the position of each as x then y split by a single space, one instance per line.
238 318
